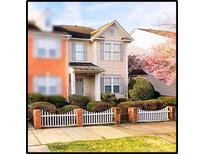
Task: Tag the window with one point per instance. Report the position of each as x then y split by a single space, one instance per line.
112 51
116 51
108 84
112 84
80 52
47 48
47 85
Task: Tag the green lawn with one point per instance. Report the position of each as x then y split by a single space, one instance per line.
127 144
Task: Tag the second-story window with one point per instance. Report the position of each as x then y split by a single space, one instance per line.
79 52
112 51
47 48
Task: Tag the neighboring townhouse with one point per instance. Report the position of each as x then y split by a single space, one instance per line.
97 59
47 61
145 39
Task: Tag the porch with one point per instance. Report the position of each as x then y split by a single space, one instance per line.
85 79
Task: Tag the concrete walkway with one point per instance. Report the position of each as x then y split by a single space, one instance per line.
38 138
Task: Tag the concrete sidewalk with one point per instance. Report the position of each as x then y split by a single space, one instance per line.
38 138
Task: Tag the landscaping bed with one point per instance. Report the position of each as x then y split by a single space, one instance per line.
127 144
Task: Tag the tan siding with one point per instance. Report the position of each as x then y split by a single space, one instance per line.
113 67
116 36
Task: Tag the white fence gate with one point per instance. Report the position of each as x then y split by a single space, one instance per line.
151 116
90 118
57 120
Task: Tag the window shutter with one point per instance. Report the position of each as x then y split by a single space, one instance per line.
102 50
122 85
122 52
73 52
35 48
85 54
102 85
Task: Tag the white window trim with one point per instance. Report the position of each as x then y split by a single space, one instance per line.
112 85
112 50
47 85
71 59
46 47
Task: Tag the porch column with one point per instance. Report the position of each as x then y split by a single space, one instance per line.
72 75
97 87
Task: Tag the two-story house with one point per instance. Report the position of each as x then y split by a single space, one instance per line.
97 59
47 61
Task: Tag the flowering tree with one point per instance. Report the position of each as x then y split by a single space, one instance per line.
162 63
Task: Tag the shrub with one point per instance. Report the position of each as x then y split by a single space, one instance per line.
97 106
131 83
90 106
68 108
57 100
170 100
35 98
142 90
79 100
108 97
121 100
157 94
43 106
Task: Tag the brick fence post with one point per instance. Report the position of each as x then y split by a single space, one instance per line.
37 119
132 115
117 117
171 113
79 117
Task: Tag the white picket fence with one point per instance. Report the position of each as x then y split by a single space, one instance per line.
57 120
151 116
93 118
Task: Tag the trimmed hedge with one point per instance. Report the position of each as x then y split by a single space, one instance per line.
35 98
142 89
108 97
97 106
121 100
57 100
68 108
43 106
170 100
79 100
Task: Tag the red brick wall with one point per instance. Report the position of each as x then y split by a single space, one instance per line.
57 67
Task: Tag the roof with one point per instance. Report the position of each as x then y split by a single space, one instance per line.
160 32
86 32
137 72
75 31
32 26
80 67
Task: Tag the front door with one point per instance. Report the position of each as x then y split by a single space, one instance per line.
79 86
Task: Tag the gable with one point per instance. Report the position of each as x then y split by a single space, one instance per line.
104 31
112 33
